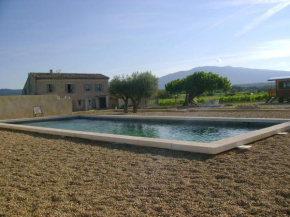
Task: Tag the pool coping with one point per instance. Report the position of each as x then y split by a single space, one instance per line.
199 147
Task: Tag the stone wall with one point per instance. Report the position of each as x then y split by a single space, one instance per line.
14 107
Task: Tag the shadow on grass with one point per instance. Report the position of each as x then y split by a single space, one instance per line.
124 147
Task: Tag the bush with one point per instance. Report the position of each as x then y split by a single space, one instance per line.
170 102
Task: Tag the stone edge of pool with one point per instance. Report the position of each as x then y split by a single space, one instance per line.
198 147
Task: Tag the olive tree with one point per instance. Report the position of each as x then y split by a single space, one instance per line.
120 88
196 84
142 85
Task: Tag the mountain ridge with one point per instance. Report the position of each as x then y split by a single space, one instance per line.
237 75
8 92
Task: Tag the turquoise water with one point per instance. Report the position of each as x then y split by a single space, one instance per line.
192 131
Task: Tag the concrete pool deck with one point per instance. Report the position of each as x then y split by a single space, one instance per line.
206 148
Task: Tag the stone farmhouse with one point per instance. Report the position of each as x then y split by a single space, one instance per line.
87 91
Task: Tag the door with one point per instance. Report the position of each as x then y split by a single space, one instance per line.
89 104
103 103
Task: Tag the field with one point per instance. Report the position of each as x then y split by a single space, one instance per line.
54 176
238 98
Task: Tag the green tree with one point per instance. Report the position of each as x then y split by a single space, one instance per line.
196 84
162 94
120 88
142 85
175 86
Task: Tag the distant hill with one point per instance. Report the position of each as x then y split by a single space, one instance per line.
262 84
5 92
236 75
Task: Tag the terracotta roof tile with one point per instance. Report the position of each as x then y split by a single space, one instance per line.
39 75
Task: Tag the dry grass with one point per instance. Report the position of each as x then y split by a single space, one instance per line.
44 175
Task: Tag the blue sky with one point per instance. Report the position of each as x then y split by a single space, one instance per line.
115 37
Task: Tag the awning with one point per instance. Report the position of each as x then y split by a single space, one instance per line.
278 78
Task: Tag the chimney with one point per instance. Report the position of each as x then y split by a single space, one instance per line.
50 71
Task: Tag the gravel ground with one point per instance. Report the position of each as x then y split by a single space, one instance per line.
232 114
43 175
259 113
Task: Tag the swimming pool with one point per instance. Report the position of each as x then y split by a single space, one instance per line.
204 135
159 129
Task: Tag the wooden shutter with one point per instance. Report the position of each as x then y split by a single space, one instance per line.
74 105
66 88
94 102
47 88
52 87
74 88
84 105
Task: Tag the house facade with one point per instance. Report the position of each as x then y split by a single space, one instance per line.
87 91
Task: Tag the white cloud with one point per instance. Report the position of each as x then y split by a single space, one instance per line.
233 3
219 60
272 11
273 49
269 51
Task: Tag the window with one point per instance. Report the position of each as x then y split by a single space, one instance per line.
69 88
98 87
49 88
88 87
284 84
79 102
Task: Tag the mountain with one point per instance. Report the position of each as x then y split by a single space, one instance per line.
5 92
236 75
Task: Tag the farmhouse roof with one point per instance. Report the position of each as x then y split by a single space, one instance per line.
40 75
278 78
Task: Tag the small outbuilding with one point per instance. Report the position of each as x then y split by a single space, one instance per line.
280 89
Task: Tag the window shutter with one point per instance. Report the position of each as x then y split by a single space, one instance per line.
84 105
52 88
74 105
47 88
84 87
94 102
96 88
74 88
66 88
101 87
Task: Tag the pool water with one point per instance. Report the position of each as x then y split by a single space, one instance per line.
189 131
